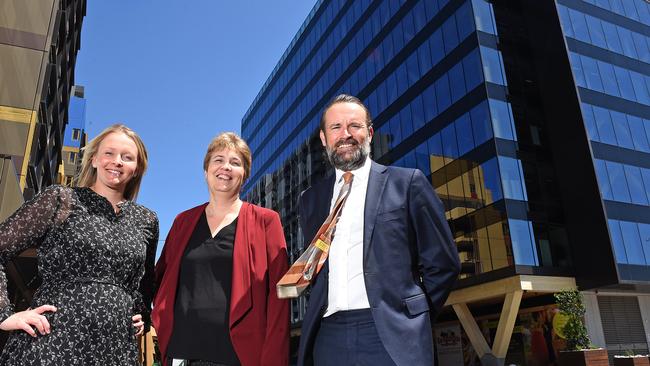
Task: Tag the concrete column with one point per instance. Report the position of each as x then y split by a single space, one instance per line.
593 322
644 305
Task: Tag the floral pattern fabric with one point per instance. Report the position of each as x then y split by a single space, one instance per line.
97 269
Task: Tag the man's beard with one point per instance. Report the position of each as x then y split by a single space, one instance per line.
357 159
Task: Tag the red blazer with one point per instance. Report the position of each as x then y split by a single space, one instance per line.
259 321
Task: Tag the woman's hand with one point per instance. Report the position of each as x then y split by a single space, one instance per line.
138 324
28 320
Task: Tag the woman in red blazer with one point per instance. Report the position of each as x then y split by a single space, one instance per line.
216 301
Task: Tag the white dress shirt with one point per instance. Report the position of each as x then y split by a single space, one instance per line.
347 288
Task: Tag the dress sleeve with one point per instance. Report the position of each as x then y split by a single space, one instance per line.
28 227
147 282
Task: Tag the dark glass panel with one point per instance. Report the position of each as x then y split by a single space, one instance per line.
617 241
464 134
481 125
632 242
635 184
623 137
457 82
604 124
523 247
618 182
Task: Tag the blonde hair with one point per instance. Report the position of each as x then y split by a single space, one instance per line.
232 141
88 175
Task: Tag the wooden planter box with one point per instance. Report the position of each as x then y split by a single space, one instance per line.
588 357
632 361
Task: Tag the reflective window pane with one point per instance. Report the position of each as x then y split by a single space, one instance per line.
523 247
603 179
481 123
590 122
502 120
623 137
513 186
464 134
644 233
617 181
617 241
635 184
632 242
604 125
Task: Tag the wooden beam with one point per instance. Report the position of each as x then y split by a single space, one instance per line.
504 286
484 291
506 323
472 330
547 283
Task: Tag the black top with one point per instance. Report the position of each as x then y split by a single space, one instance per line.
201 312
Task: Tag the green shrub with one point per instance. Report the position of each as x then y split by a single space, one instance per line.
570 304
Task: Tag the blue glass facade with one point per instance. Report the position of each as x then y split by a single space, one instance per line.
74 136
76 122
609 50
531 120
432 76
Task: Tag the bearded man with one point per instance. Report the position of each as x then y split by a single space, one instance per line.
392 260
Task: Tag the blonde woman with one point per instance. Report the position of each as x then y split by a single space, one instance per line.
96 250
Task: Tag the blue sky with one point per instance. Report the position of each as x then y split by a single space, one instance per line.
179 73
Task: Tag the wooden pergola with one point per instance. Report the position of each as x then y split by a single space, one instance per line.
512 289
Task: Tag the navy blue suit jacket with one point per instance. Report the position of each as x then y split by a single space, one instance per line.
410 261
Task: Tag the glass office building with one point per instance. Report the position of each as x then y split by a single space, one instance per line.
39 41
74 138
531 129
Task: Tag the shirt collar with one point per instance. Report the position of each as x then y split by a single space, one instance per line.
360 173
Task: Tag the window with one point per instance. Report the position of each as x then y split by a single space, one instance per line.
604 126
491 181
578 73
592 75
76 134
609 79
523 242
464 134
611 36
449 144
418 113
483 16
492 66
618 182
590 122
635 184
472 70
481 125
502 120
442 93
72 157
407 121
512 178
603 179
644 232
624 83
617 241
621 130
632 242
596 32
638 133
450 34
457 82
580 28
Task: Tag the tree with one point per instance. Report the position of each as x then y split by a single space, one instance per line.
570 304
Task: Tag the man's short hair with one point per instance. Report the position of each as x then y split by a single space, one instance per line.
345 98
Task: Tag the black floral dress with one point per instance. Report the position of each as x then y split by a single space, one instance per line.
97 269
